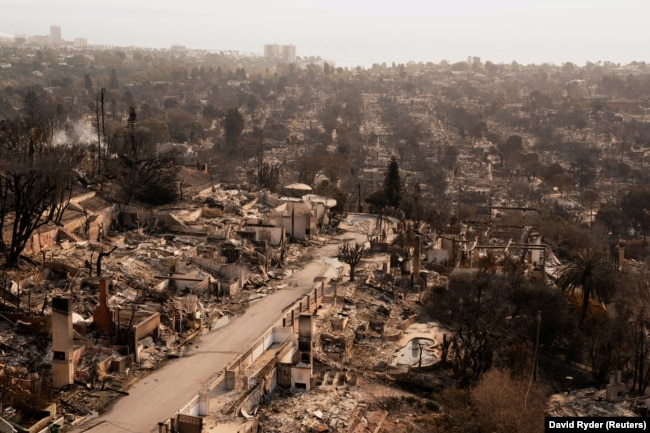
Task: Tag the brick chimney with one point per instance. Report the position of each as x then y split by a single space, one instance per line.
102 316
621 255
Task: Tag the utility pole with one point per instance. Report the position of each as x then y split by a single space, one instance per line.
101 128
359 185
103 116
536 361
261 158
535 375
293 216
99 138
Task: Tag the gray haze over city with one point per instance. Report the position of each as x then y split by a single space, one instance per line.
358 32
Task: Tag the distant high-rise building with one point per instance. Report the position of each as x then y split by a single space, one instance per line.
20 38
55 36
80 43
289 53
272 51
285 53
179 49
41 40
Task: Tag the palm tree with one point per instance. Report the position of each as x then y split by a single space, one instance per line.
590 271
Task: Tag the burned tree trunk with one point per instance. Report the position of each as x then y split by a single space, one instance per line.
283 248
99 260
351 254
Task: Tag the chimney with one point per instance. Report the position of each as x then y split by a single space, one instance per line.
62 342
621 255
616 388
102 316
416 256
102 292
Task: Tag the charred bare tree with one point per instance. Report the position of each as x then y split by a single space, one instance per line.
283 247
63 196
144 174
86 223
264 259
100 126
99 260
233 126
131 121
351 254
212 172
476 309
34 178
152 180
99 138
269 175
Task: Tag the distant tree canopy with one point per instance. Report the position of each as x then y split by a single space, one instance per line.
613 218
328 189
144 174
448 156
391 193
88 83
393 184
113 82
635 204
233 125
511 149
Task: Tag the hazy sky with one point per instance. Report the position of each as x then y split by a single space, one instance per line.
356 32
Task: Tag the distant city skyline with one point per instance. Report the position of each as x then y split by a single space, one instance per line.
356 32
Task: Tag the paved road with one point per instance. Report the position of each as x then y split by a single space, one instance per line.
162 393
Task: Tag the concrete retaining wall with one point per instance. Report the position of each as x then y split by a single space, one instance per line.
267 376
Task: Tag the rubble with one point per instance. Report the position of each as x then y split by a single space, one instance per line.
175 274
179 273
345 396
589 402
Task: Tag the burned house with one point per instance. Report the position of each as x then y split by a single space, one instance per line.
303 366
297 218
125 325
